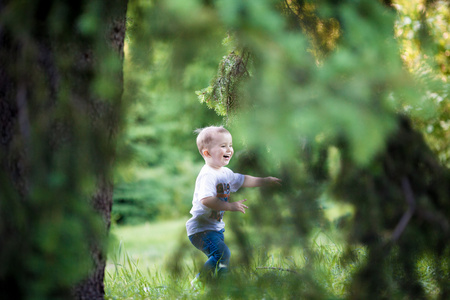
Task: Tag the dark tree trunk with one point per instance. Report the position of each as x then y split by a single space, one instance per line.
93 286
60 111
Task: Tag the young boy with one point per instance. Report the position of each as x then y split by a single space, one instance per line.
211 198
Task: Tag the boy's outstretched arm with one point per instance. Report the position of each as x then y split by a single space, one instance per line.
217 204
251 181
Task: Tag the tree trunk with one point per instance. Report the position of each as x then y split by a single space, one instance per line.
60 111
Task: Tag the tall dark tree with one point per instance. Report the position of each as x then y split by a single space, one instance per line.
60 115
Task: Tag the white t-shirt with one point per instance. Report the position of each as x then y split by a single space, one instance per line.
211 183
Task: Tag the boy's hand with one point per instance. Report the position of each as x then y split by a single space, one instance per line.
271 181
217 204
238 206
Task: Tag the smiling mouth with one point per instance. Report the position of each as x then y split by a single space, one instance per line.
226 156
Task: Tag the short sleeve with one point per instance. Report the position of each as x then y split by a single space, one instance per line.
206 187
236 182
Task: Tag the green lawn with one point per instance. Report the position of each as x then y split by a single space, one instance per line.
148 244
138 266
140 269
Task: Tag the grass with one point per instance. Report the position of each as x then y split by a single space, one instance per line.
156 261
142 265
148 244
137 261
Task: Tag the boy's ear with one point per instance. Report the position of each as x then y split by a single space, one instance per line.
205 153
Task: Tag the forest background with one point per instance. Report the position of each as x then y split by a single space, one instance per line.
164 112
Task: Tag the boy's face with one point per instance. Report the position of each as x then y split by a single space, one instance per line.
220 151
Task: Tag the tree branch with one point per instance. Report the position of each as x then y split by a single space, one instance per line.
409 197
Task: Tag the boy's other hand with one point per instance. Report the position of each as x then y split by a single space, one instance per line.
272 181
238 206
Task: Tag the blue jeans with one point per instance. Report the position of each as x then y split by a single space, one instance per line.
213 245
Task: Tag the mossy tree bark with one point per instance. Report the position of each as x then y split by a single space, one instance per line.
60 114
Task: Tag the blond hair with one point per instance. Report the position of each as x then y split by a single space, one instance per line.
206 136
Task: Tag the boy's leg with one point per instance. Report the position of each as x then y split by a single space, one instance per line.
213 245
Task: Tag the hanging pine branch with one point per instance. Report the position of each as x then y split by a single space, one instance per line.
222 94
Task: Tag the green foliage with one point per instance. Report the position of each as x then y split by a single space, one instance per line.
347 95
423 30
